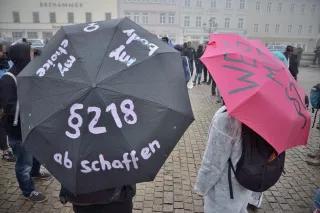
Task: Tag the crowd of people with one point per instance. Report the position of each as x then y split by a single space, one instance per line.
214 179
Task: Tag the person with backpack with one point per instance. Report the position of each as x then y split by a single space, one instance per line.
20 54
314 158
237 162
224 142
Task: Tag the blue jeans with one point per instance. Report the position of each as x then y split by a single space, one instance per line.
23 166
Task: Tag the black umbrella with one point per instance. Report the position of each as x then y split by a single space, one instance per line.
104 105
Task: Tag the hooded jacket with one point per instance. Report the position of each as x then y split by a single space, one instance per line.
20 56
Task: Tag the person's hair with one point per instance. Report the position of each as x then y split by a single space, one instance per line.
165 39
24 40
185 45
289 48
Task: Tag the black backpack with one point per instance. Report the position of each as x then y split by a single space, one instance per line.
259 166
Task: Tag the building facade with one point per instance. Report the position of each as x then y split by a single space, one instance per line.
276 22
42 18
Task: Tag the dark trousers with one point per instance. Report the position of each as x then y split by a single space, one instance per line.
213 87
205 74
23 167
191 67
115 207
3 138
35 167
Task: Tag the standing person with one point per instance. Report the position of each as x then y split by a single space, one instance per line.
206 76
224 142
185 63
110 200
190 53
292 58
199 65
4 62
317 56
20 54
299 55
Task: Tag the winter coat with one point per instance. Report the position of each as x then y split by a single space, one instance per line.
212 182
20 56
186 68
119 194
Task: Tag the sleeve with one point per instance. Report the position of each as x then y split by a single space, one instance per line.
224 132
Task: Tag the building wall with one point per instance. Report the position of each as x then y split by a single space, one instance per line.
25 9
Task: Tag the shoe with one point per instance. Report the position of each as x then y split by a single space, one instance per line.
8 156
204 81
313 162
208 83
41 176
194 83
199 83
37 197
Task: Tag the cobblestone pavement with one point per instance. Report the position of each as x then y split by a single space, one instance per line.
171 191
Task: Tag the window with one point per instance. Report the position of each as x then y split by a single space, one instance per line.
310 29
171 18
258 5
199 3
136 17
292 6
162 18
226 23
289 28
186 21
213 4
70 17
47 35
108 16
255 28
16 18
279 7
266 28
269 7
52 17
35 16
300 29
88 17
32 35
228 4
126 14
212 22
187 3
145 18
240 23
198 21
17 35
303 7
313 9
242 4
277 28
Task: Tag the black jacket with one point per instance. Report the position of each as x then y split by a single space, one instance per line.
107 196
20 56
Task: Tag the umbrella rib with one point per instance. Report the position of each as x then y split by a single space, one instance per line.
149 58
148 101
107 50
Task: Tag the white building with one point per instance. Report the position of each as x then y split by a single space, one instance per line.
275 22
42 18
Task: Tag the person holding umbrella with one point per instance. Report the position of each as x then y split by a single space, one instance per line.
21 55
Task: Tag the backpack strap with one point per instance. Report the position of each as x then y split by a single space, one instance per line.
315 118
230 167
16 114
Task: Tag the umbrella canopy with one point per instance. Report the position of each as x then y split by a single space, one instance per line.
258 90
104 105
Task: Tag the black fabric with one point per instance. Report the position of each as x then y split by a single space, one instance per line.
259 167
4 63
115 207
20 55
230 167
119 194
3 137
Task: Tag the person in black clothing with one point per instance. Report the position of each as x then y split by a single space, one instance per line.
199 65
292 57
20 54
190 53
110 200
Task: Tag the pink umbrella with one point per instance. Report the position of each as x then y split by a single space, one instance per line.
258 90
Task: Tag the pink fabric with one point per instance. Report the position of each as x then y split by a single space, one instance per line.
258 90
